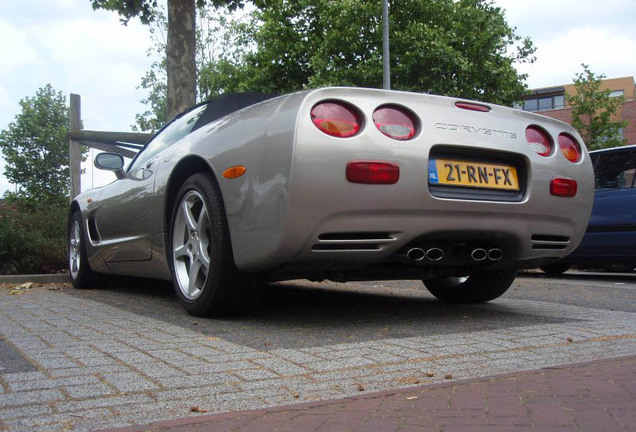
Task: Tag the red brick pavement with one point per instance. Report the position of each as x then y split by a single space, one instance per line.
594 396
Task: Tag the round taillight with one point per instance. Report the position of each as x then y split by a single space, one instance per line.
395 122
539 140
570 148
336 118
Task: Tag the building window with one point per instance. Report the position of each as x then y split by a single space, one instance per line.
617 93
544 103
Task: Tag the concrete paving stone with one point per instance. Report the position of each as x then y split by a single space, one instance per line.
50 383
56 363
25 411
280 366
23 376
89 391
224 358
202 352
298 356
133 357
292 384
384 357
188 381
85 371
175 358
103 402
30 397
159 371
255 374
206 368
194 393
407 353
343 363
223 345
129 382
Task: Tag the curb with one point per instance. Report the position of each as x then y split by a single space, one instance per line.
35 278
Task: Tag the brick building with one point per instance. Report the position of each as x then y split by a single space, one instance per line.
551 102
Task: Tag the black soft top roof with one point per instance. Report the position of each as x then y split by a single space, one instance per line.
228 103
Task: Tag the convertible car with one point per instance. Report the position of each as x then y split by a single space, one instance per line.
341 184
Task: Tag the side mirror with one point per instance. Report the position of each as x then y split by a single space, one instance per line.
110 162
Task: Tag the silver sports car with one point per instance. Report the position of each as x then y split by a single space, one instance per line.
340 184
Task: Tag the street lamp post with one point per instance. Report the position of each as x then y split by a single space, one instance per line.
386 67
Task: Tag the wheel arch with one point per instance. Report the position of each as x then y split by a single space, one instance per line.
186 167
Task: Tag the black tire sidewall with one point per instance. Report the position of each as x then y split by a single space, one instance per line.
213 294
85 274
480 287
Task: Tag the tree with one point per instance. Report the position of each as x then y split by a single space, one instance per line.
594 111
210 41
35 148
462 48
180 49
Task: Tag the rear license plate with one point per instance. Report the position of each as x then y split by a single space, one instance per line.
472 174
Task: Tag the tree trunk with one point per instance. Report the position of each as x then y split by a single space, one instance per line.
181 63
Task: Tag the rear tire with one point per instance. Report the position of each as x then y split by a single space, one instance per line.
79 269
555 269
477 287
205 277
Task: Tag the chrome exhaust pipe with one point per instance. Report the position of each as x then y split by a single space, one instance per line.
434 254
495 254
416 254
479 254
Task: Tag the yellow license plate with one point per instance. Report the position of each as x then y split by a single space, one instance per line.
472 174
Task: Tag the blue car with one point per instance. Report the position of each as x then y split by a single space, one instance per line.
610 240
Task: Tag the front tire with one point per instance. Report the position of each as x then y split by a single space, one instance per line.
80 271
205 277
477 287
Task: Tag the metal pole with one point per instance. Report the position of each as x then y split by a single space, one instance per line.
386 67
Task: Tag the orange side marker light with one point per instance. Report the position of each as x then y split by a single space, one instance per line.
234 172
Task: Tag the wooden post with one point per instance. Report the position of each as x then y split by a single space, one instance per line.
75 151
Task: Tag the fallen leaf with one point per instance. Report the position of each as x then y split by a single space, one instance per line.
448 376
570 339
25 286
360 387
430 374
18 292
411 397
197 409
296 395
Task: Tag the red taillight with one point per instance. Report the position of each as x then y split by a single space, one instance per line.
539 140
472 106
370 172
395 122
563 187
336 118
570 148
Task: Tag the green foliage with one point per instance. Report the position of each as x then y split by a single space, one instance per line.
593 110
147 10
32 238
210 40
36 150
461 48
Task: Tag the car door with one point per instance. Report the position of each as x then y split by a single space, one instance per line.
612 227
131 210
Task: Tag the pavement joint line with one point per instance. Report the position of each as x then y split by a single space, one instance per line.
588 342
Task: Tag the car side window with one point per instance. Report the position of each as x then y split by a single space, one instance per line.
172 133
615 171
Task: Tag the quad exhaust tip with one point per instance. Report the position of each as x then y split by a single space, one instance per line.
418 254
479 254
495 254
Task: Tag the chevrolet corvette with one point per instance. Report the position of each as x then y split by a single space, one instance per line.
341 184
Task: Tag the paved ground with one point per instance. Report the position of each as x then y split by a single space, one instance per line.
128 355
594 397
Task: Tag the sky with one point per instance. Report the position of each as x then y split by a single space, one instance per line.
77 50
